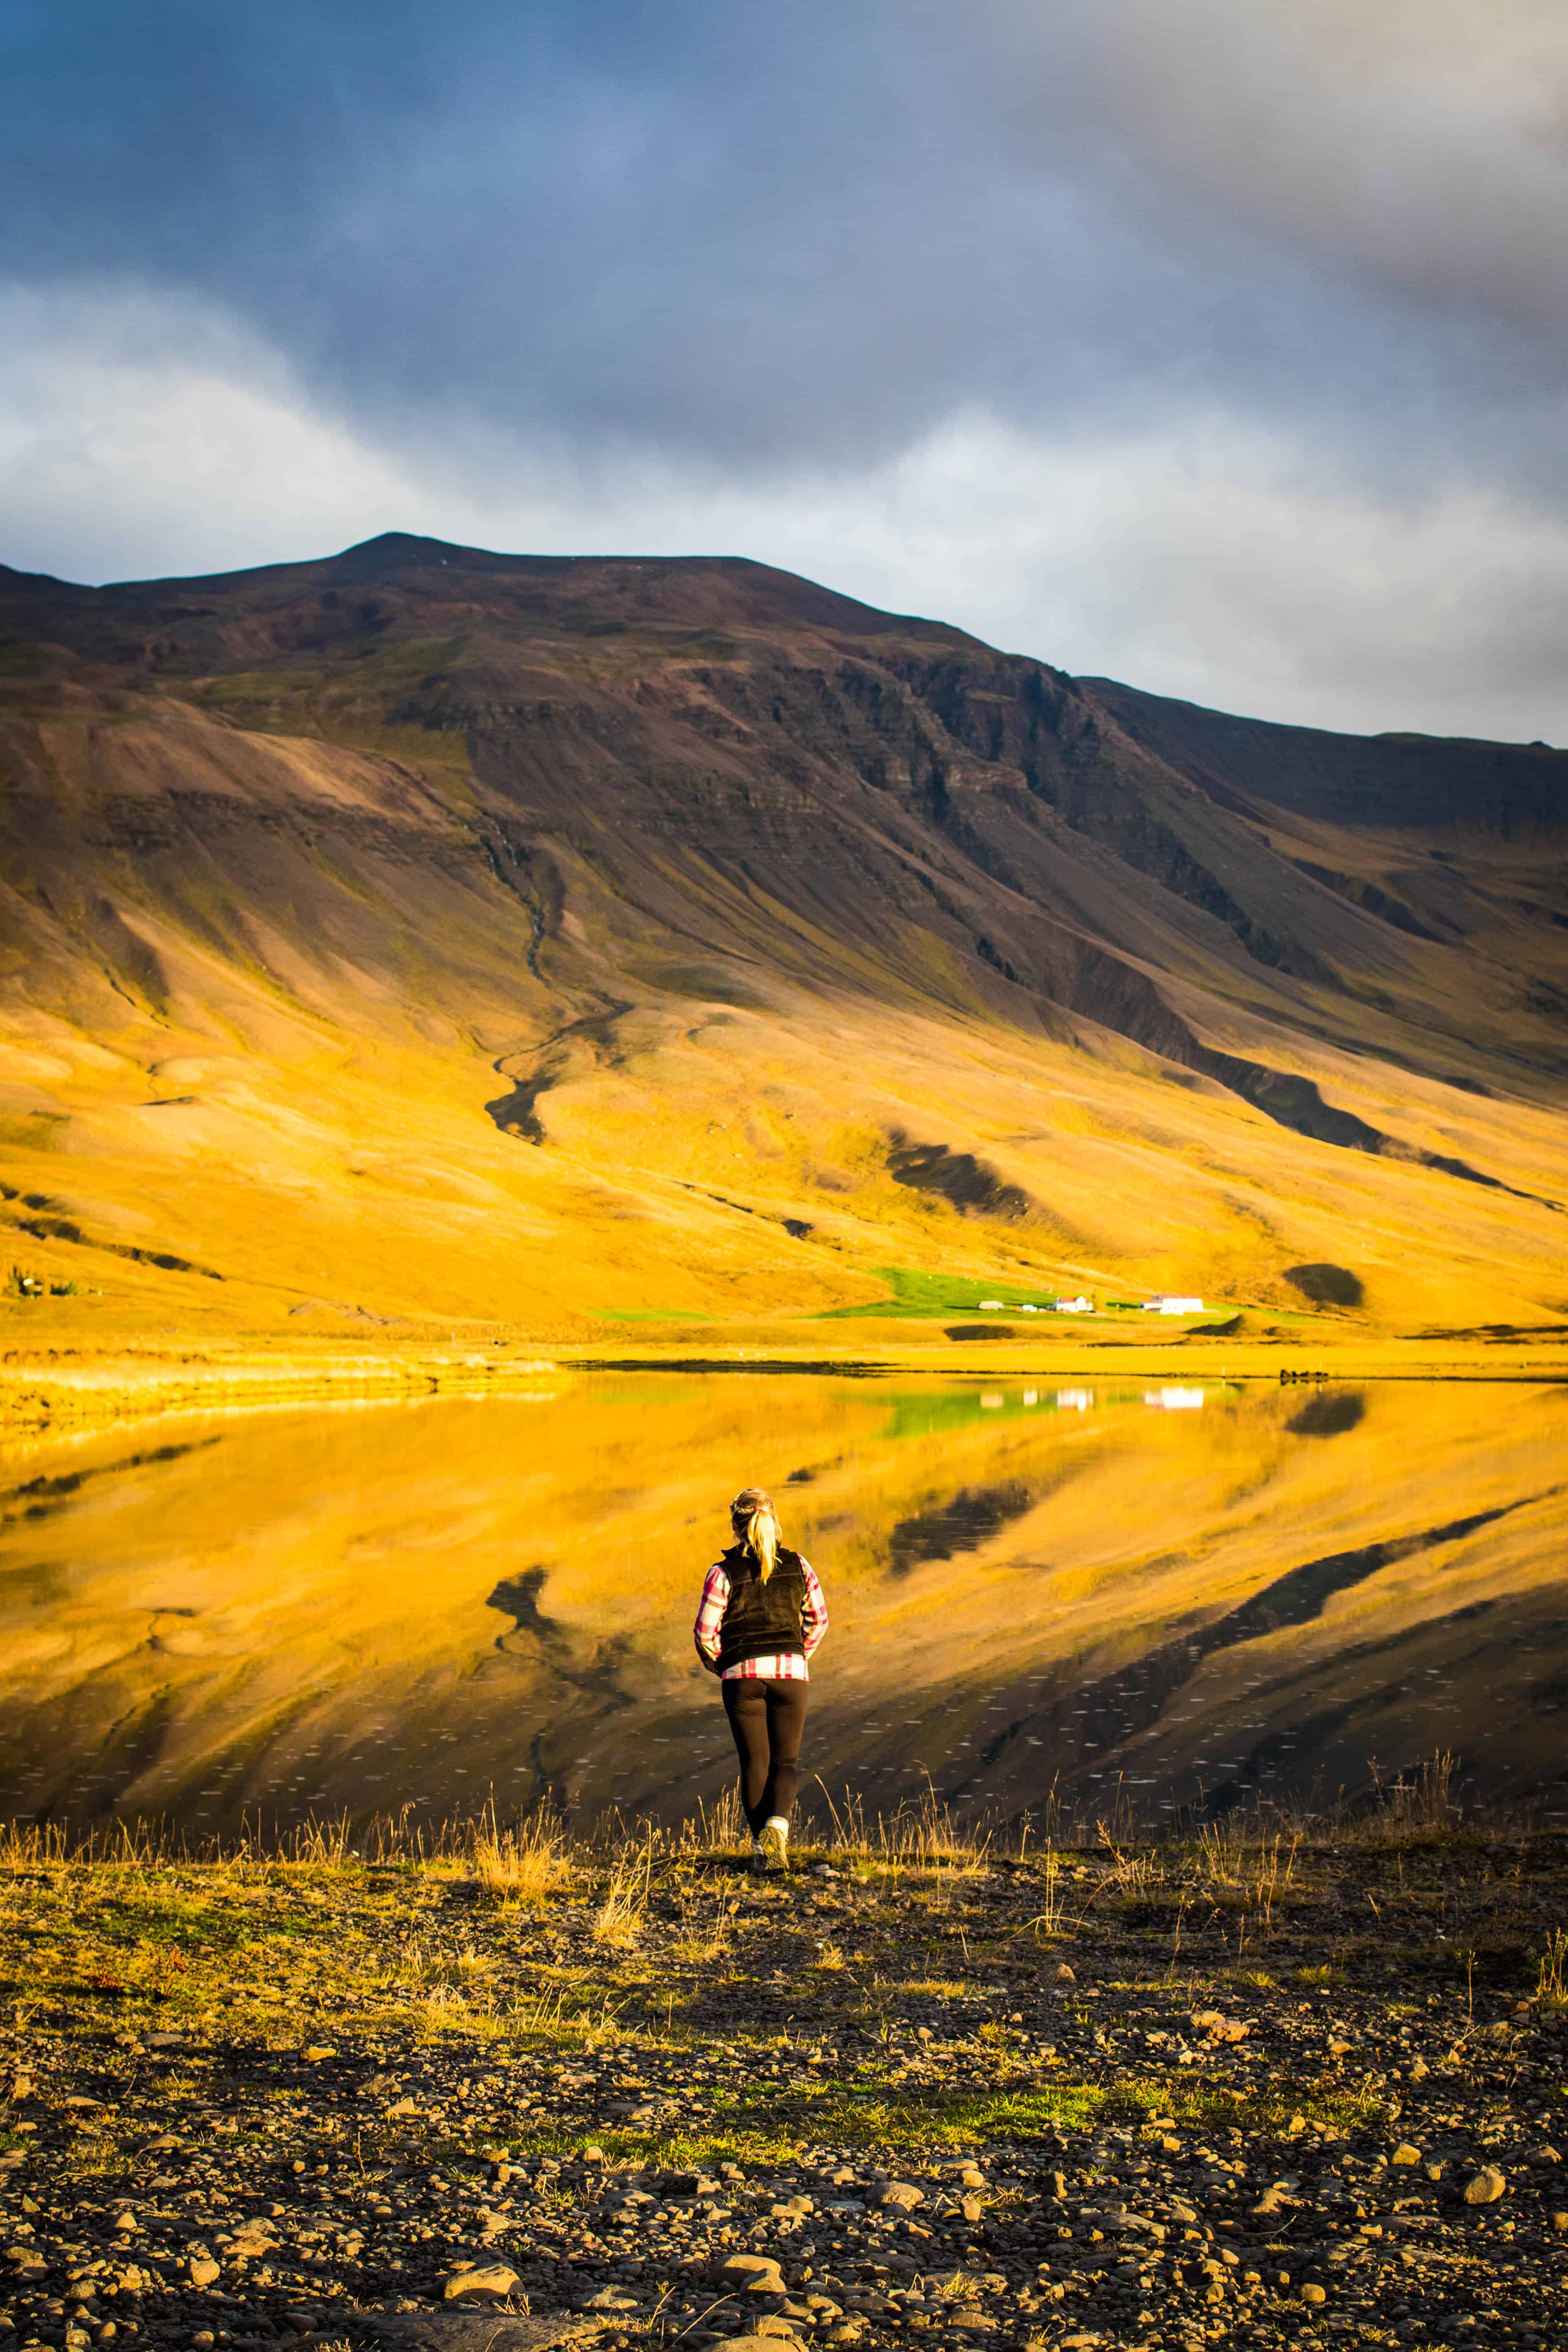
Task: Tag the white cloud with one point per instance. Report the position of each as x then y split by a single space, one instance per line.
142 436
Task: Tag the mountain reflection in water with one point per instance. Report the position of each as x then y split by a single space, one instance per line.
1196 1593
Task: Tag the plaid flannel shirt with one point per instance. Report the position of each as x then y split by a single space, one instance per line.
787 1668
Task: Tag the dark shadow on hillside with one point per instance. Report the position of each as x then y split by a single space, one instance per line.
967 1183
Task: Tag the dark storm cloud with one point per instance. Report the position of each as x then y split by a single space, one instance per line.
807 234
1214 343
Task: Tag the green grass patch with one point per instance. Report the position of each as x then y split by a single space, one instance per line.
1224 2106
651 1315
757 2129
913 1294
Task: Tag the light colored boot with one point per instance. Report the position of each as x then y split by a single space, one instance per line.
775 1844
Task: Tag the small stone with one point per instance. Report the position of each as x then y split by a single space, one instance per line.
1484 2186
204 2270
1220 2028
1406 2154
318 2051
492 2279
971 2208
971 2177
902 2194
252 2241
1297 2124
753 2273
1062 1974
1312 2292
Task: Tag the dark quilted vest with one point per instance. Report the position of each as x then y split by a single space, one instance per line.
762 1621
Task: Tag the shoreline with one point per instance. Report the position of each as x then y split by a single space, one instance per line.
76 1388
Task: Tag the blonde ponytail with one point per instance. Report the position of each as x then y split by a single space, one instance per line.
762 1540
756 1523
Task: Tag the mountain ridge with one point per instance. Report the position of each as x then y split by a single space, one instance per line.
566 820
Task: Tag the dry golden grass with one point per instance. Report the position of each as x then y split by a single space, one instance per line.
1552 1986
618 1921
523 1862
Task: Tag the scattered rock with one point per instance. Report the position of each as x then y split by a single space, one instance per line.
252 2242
904 2194
753 2273
488 2279
1484 2186
459 2331
1406 2154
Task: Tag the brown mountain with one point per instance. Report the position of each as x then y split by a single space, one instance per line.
436 936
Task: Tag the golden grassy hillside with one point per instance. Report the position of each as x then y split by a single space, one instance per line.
425 943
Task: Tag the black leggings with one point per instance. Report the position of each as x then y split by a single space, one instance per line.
767 1719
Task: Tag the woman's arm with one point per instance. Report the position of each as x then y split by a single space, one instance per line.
813 1611
710 1615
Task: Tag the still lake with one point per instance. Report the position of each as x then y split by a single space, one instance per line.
1195 1594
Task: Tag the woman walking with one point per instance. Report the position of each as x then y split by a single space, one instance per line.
760 1617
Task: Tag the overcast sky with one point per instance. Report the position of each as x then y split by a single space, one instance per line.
1214 344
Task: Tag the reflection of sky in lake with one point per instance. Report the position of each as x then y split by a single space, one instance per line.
1238 1587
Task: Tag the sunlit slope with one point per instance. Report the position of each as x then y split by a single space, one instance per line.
1029 1588
426 938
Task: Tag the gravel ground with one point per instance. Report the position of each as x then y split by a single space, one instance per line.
1101 2100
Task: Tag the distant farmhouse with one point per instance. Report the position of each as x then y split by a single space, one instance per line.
1165 1302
